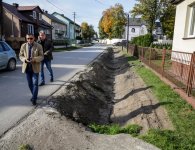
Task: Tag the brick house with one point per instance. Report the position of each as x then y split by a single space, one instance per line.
20 20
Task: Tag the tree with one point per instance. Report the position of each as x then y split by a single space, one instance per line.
102 34
112 23
167 18
149 11
87 31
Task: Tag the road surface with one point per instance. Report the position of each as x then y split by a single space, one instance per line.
14 92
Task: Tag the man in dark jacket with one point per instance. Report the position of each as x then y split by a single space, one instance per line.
47 50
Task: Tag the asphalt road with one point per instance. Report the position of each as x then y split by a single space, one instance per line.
15 94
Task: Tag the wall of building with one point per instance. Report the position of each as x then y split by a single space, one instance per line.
66 22
61 28
181 30
139 30
11 25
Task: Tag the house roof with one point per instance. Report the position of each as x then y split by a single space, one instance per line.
53 18
66 18
28 8
136 22
176 1
13 9
45 24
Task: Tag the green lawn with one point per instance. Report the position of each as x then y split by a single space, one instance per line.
180 112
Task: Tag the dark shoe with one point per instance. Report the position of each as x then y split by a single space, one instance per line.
33 101
51 80
41 84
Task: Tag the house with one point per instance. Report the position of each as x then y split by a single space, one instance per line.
157 32
137 27
73 28
184 30
20 20
59 31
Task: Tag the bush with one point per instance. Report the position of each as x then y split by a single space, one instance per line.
161 46
61 42
144 40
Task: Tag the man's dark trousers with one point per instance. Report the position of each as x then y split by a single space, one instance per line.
48 65
32 79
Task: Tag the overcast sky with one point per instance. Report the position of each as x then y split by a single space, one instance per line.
89 11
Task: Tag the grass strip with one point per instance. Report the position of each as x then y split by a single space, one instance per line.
180 112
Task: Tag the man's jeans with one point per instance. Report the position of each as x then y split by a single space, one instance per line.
48 65
33 79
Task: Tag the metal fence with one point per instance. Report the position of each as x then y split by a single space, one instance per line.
177 67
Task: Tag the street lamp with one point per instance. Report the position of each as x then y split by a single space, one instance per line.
127 44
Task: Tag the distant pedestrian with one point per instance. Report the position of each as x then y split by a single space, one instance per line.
31 54
47 50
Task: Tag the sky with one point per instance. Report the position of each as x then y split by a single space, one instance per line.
89 11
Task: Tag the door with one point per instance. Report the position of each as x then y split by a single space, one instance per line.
3 56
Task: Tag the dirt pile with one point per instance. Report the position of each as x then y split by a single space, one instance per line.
89 96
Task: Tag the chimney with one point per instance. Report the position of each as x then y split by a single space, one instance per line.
46 12
15 4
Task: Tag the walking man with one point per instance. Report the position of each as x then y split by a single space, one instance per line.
31 54
47 50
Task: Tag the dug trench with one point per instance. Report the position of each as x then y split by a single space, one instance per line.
109 91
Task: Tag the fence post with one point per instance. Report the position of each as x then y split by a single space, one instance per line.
190 75
163 60
150 53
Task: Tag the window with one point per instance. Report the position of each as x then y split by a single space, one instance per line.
34 14
192 21
1 48
133 30
6 48
40 16
30 28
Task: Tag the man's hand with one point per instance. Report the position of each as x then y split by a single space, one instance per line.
45 53
33 60
27 61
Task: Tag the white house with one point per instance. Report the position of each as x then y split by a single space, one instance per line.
137 27
184 31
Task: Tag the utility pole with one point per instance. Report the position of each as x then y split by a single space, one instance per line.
127 32
1 20
74 15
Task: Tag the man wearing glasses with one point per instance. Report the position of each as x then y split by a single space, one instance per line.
31 54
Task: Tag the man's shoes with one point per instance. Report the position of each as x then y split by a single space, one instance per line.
33 101
41 84
51 80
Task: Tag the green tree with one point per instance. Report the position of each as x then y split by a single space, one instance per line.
87 31
112 23
149 11
167 18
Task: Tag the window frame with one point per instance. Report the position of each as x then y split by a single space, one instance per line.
31 28
40 16
34 14
133 30
191 27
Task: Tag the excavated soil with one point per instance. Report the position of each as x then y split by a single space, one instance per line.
109 91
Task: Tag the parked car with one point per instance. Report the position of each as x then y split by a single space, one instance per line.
7 57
